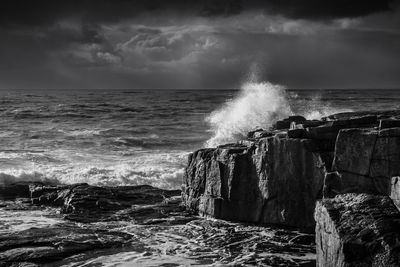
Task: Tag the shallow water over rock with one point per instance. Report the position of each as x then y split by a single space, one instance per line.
135 236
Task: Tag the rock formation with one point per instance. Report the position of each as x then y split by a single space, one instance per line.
86 203
277 175
79 224
272 180
357 230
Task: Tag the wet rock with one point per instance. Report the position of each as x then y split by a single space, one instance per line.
94 217
268 180
40 245
247 245
86 203
138 230
276 180
285 124
82 202
357 230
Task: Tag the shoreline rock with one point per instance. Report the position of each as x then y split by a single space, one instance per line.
357 230
278 175
90 222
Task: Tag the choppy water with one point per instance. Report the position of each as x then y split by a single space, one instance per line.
120 137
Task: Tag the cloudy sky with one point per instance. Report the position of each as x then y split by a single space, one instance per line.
199 44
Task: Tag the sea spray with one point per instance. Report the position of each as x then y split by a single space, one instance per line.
256 105
313 107
260 105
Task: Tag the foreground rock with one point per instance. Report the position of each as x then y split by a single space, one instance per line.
40 245
275 176
76 225
357 230
273 180
80 203
85 203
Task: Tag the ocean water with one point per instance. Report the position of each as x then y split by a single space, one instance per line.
131 137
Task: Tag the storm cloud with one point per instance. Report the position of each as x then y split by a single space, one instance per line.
198 44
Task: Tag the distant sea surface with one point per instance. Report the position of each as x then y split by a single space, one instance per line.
131 137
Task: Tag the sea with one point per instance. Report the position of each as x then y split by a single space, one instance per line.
134 137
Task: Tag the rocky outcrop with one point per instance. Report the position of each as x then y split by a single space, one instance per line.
357 230
272 180
77 225
82 212
277 175
86 203
42 245
365 161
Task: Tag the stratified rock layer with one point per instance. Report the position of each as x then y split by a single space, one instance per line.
357 230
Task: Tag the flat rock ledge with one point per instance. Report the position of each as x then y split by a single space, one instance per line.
276 176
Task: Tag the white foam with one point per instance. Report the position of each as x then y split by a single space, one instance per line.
257 105
315 108
159 169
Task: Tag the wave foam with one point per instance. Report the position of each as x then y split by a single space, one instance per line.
257 105
162 170
260 105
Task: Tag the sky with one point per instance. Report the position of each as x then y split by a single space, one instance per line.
194 44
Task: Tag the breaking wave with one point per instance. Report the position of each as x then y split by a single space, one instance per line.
257 105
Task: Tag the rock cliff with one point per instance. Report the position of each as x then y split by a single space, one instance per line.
276 176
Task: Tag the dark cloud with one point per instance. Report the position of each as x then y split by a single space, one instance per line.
41 12
316 9
198 44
